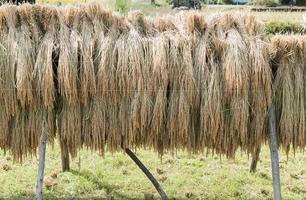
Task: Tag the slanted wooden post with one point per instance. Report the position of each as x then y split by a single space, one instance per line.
161 192
64 156
42 155
255 158
274 154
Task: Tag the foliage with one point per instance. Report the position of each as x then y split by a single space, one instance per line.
122 5
217 1
297 2
284 28
301 2
268 3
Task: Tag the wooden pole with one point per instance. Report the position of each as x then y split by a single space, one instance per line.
41 163
148 174
64 156
255 158
274 154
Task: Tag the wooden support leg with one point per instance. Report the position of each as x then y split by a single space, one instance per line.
148 174
255 158
274 155
64 156
41 163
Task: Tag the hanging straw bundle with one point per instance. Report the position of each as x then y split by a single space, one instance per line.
86 28
181 94
261 92
39 76
243 81
25 58
26 80
110 82
112 106
9 60
93 118
4 117
289 90
24 138
195 26
68 62
47 23
160 74
12 62
140 83
69 123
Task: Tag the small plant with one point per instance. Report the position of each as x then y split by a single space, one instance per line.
122 6
284 28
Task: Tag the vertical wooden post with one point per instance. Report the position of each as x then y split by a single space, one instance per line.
274 154
41 163
255 158
148 174
64 156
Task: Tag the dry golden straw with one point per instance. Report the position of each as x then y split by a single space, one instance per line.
289 89
107 82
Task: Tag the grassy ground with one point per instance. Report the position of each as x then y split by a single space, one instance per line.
182 176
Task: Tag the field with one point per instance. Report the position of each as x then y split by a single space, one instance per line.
182 177
164 9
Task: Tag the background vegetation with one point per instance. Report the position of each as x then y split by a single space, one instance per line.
284 28
265 2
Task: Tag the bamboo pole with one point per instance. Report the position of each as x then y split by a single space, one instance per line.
41 162
157 186
274 154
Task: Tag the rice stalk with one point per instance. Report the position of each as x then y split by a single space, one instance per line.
160 74
69 126
25 58
43 74
8 63
289 92
68 60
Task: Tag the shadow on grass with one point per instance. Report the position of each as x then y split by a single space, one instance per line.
31 196
90 176
100 184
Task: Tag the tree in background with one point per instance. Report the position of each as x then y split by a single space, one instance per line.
17 1
301 2
190 4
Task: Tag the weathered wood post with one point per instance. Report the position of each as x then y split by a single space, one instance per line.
64 156
159 189
41 162
274 154
255 158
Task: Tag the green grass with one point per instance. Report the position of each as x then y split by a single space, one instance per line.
205 177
